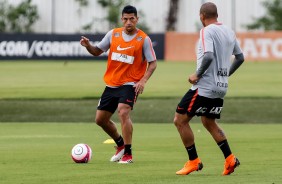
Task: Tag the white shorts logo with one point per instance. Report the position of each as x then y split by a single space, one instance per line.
216 110
201 110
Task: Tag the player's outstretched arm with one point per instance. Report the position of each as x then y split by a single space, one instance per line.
95 51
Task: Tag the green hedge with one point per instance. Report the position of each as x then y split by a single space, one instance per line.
158 110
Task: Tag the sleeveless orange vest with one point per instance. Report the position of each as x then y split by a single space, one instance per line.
125 60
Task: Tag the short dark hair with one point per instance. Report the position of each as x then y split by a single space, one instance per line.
209 10
129 9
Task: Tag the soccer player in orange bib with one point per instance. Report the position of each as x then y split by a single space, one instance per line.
131 62
210 82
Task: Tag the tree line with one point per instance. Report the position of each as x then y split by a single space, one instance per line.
20 18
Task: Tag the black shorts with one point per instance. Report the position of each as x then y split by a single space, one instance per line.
111 97
194 104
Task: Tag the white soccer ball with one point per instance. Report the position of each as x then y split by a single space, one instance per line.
81 153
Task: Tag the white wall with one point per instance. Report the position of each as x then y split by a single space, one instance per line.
67 18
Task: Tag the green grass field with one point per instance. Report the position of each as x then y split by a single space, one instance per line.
42 92
47 79
56 91
33 153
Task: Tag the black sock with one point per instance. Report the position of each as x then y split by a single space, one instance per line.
127 149
192 152
119 141
224 146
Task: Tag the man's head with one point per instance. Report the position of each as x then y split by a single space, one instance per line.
208 12
129 18
129 9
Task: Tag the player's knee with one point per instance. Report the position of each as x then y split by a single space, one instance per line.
175 121
123 112
178 122
99 121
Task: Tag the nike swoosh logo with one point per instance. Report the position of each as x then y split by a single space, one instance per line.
129 100
124 48
179 108
221 145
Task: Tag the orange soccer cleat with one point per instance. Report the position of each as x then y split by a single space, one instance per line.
190 166
231 162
